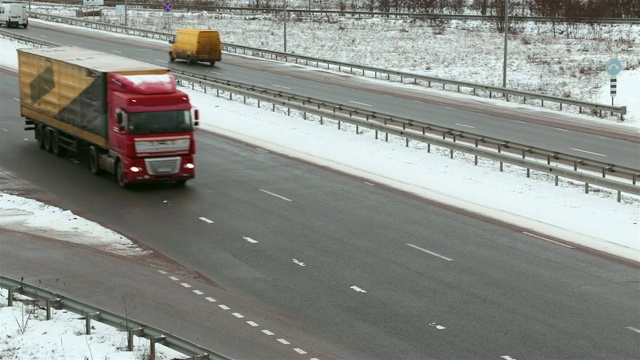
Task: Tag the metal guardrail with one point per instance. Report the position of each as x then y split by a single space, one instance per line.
365 70
505 151
566 166
156 336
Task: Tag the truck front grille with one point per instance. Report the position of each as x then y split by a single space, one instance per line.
161 166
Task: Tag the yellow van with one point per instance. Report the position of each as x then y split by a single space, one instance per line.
196 45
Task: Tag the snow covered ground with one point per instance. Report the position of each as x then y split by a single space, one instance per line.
570 64
595 220
26 334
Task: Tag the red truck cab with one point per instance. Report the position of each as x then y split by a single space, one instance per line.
151 126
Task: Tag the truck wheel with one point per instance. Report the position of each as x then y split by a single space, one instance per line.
39 136
46 132
25 25
56 149
212 63
171 58
94 161
189 59
120 175
181 182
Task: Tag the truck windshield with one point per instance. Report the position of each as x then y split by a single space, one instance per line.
159 122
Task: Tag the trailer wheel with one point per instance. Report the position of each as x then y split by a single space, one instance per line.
120 175
171 58
181 182
39 136
94 161
46 132
212 63
189 59
56 149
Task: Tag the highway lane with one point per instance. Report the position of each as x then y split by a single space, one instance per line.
552 131
385 275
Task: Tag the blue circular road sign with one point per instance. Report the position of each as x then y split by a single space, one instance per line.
167 7
613 67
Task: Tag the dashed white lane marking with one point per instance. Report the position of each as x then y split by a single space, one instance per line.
283 341
185 285
162 61
162 272
16 99
299 262
206 220
430 252
588 152
250 240
507 357
117 52
439 327
238 315
252 323
358 289
465 125
299 351
197 292
173 278
282 87
267 332
633 329
276 195
370 184
210 299
44 36
215 72
359 103
548 240
565 130
224 307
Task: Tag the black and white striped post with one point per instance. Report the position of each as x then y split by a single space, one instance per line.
613 88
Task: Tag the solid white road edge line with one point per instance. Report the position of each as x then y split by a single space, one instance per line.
548 240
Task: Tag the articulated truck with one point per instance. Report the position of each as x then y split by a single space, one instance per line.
126 116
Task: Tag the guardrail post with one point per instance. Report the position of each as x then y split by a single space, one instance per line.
556 181
87 323
10 295
130 334
47 303
586 188
154 340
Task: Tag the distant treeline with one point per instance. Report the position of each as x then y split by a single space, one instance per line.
571 9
